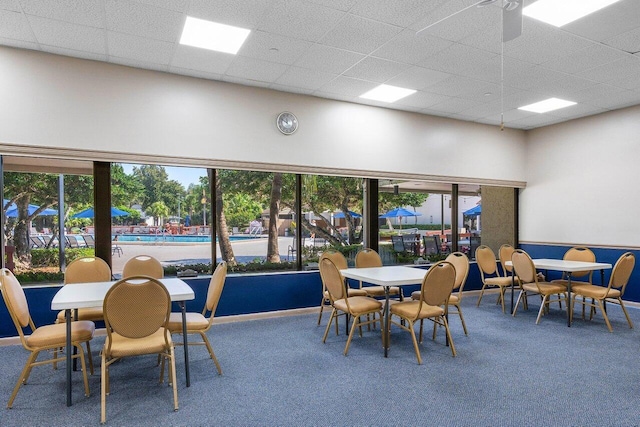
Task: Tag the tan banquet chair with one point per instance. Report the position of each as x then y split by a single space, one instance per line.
86 270
43 338
341 262
613 293
356 306
486 260
143 265
198 323
370 258
504 254
136 316
578 253
434 293
530 283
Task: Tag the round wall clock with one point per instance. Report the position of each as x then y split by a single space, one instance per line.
287 123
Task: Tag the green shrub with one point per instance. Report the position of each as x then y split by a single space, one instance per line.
39 276
49 257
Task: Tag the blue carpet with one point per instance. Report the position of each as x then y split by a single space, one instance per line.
277 372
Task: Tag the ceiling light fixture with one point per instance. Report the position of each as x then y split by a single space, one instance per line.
387 93
213 36
547 105
561 13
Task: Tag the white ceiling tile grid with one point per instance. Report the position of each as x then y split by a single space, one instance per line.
339 49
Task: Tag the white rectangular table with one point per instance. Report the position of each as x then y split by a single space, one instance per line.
85 295
567 267
386 277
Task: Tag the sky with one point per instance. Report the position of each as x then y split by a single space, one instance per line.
183 175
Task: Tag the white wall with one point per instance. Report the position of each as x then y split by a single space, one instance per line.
583 178
55 101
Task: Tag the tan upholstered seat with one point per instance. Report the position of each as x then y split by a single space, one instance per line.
198 323
43 338
86 270
612 293
370 258
486 260
461 263
530 283
356 306
578 253
341 262
143 265
136 316
434 293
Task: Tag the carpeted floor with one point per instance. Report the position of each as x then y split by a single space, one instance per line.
277 372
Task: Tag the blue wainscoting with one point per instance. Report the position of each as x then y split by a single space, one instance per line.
609 255
242 294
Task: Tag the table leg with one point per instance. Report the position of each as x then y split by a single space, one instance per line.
569 297
513 286
387 325
184 341
67 315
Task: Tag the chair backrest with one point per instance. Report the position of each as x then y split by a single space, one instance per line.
398 244
37 242
332 280
215 289
486 260
72 242
523 267
437 284
136 307
337 257
16 302
89 240
87 269
461 263
368 258
431 247
622 272
580 253
143 265
504 253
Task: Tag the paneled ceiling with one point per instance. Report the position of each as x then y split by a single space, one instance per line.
339 49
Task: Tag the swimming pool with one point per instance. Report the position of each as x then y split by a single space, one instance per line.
175 238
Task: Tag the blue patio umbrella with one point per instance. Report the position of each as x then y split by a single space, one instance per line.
88 213
12 211
353 214
474 211
399 213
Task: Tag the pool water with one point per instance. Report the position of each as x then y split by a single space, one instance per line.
175 238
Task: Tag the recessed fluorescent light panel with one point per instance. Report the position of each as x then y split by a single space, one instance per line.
559 13
387 93
547 105
213 36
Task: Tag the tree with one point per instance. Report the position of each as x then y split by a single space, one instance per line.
159 211
125 189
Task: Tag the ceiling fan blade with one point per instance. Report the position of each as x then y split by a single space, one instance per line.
512 20
484 3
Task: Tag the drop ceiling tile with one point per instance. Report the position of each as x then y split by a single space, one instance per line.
134 63
630 82
343 5
82 54
304 78
620 69
359 34
244 14
455 58
611 101
195 73
300 20
273 47
18 43
411 48
453 86
455 105
543 46
208 61
335 96
584 59
14 25
69 36
139 48
569 87
12 5
509 116
255 69
143 20
83 12
395 12
462 23
536 120
176 5
488 70
418 78
328 59
629 41
291 89
489 39
376 69
246 81
528 76
615 19
422 99
347 86
578 110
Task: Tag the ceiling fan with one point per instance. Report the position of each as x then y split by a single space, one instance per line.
509 5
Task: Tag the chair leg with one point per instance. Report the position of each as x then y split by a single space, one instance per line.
415 342
22 378
464 325
326 331
604 315
103 389
480 297
321 309
211 353
502 297
446 328
356 323
624 310
421 327
542 306
83 366
172 356
90 358
515 309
